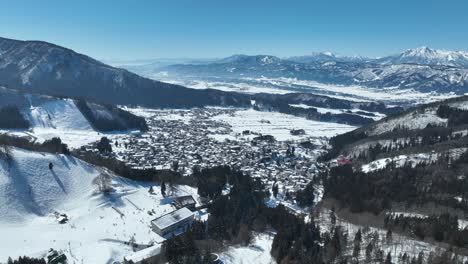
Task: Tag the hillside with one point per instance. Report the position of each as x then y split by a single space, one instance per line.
427 56
33 197
400 78
72 120
41 67
405 173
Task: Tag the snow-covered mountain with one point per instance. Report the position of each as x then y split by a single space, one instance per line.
42 67
427 56
368 75
76 122
246 59
326 57
33 198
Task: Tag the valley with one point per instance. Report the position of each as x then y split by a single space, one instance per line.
246 159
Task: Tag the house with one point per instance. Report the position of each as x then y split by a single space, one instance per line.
179 220
342 160
184 201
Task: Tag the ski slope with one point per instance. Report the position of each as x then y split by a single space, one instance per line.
60 118
99 225
59 114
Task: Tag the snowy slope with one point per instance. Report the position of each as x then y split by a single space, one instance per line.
428 56
29 188
50 117
60 114
99 224
414 120
53 117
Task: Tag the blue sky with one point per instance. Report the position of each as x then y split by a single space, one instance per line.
216 28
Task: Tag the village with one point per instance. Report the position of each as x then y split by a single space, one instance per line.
182 139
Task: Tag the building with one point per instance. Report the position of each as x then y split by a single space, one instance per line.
173 222
185 201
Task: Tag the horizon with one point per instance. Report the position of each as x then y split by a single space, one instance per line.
198 30
325 52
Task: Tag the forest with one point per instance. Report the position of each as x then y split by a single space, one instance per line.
11 118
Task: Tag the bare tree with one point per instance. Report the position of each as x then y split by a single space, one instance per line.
5 153
103 182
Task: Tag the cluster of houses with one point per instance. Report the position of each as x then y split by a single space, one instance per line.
182 139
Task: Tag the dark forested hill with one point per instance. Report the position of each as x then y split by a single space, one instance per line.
42 67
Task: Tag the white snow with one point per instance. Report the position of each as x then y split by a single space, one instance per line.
99 225
258 252
61 118
412 159
398 245
279 125
59 114
323 110
463 105
284 85
414 120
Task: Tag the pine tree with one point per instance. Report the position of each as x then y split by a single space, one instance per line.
163 188
388 260
357 244
275 190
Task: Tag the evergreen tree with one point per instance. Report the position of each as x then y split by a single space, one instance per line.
357 244
388 259
163 189
275 190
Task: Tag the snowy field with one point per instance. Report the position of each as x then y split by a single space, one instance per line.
258 252
283 85
323 110
279 125
99 225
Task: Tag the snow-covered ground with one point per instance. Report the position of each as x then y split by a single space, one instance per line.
412 159
241 87
279 125
418 119
284 85
99 225
397 245
60 118
322 110
258 252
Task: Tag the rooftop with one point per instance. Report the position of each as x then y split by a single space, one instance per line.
172 218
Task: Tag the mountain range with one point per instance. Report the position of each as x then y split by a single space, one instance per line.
41 67
421 55
422 69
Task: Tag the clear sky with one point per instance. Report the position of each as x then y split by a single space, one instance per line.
138 29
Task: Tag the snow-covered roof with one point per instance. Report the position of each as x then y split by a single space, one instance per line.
172 218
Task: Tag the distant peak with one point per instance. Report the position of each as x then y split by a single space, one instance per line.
239 58
328 53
